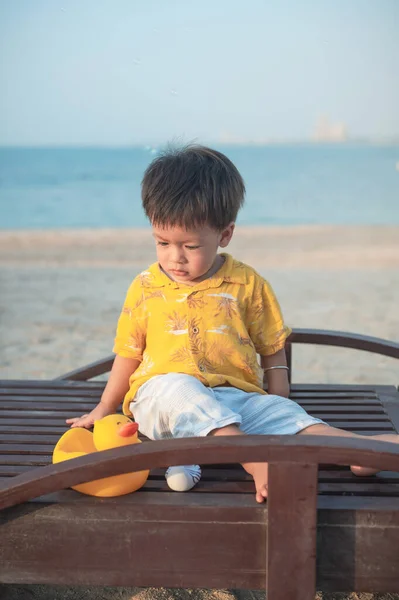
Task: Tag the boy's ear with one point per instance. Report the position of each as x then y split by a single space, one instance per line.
226 235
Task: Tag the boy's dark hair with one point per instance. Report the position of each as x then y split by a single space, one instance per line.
192 186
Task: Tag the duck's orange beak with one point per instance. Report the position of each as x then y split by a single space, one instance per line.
128 430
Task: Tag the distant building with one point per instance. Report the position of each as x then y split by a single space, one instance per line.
330 132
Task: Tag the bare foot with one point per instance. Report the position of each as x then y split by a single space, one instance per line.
259 472
367 471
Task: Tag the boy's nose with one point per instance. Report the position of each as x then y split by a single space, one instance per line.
178 256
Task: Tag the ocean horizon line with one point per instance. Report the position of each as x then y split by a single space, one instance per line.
303 143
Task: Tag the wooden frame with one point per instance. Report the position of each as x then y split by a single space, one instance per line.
216 535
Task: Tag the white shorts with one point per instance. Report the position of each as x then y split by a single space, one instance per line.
178 405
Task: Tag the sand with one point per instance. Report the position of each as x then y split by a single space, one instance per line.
61 293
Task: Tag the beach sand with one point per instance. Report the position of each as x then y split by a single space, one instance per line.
61 293
39 592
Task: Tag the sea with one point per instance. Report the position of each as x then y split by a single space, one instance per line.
65 188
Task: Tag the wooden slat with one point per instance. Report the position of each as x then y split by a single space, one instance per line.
339 387
22 449
53 403
34 422
23 428
385 425
24 459
338 402
339 475
31 413
53 393
32 384
12 470
349 416
369 432
360 488
27 438
327 394
349 411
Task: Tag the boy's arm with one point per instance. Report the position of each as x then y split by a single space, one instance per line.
277 379
114 392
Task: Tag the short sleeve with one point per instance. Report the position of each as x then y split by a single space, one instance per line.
131 332
265 321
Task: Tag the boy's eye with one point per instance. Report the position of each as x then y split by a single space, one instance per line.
192 247
162 243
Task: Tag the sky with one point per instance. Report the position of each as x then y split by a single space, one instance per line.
128 72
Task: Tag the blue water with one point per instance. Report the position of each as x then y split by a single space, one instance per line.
86 187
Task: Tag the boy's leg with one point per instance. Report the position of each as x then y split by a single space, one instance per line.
257 470
323 429
268 414
262 414
178 405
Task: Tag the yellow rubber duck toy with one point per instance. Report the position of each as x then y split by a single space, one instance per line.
109 432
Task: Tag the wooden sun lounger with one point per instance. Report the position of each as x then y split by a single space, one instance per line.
215 536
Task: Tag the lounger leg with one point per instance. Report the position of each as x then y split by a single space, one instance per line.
291 532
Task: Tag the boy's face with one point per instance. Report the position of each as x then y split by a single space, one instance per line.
187 255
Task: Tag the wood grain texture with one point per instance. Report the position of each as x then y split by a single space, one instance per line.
291 532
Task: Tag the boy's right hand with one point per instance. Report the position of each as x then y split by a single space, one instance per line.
87 420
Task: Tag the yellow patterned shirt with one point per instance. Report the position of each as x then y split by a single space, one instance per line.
212 330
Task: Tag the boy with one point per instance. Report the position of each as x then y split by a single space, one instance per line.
193 323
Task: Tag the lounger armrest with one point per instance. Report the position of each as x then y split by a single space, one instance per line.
87 372
344 339
295 450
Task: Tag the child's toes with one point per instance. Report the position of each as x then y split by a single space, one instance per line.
363 471
261 494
